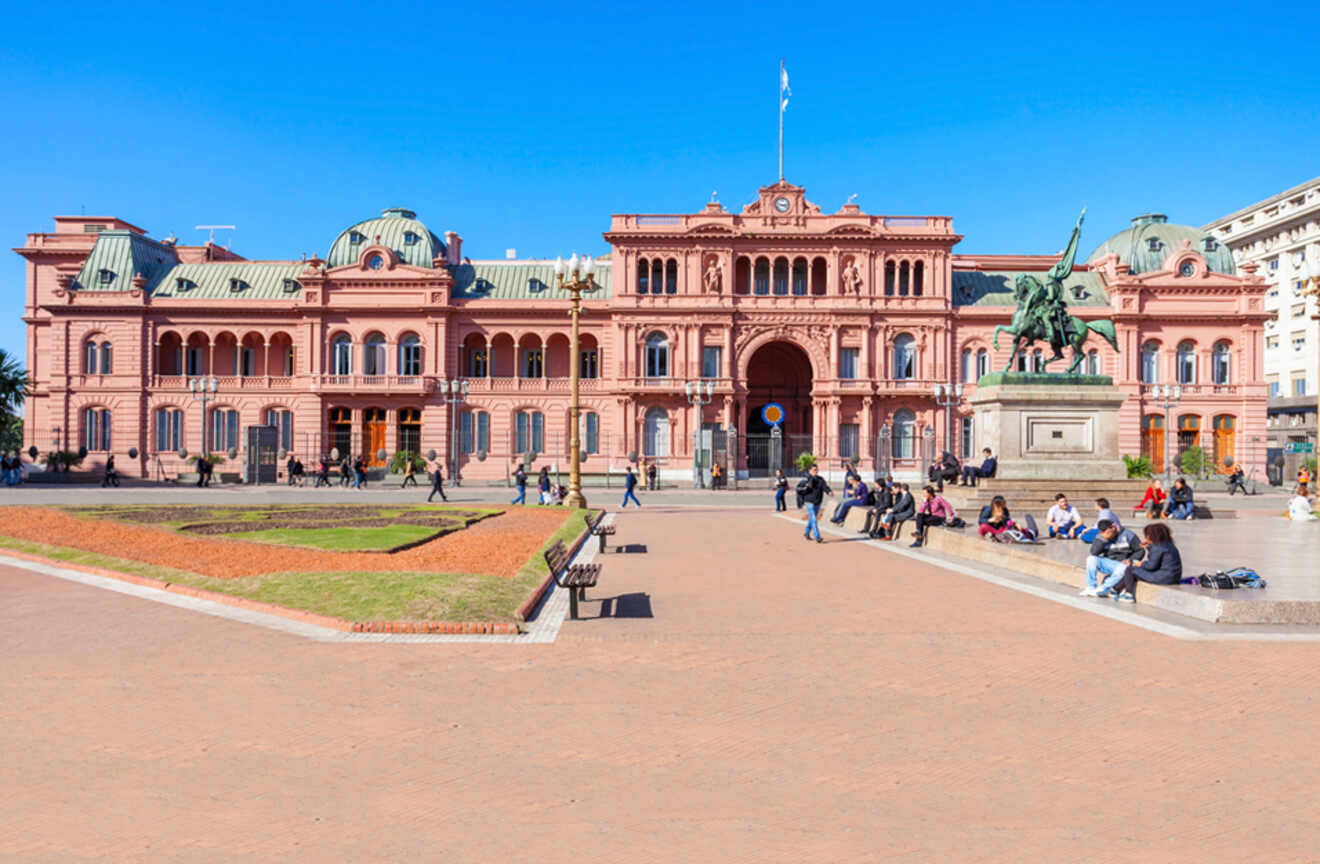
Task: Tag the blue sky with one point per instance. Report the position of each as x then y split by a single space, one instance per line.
526 125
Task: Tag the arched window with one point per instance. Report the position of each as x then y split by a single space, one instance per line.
1186 362
1150 363
282 420
655 437
889 278
657 275
341 355
91 361
904 276
107 359
761 277
968 370
1022 364
529 432
643 276
1037 361
1093 362
410 355
905 357
781 276
1189 434
373 355
1219 364
657 356
474 432
982 363
671 277
742 278
169 430
904 441
918 274
96 428
799 277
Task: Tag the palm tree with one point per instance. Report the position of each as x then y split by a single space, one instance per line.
14 385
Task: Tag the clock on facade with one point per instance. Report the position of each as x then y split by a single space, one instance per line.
782 205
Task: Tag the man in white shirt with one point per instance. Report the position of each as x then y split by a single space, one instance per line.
1063 520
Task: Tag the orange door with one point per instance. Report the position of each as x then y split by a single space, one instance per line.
373 435
1152 441
1225 442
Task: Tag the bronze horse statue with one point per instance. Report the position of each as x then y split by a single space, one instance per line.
1030 323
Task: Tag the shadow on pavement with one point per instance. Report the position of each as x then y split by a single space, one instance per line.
636 605
630 549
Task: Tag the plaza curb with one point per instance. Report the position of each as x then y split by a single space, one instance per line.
509 628
520 614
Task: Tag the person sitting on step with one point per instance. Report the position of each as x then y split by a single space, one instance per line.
994 519
986 469
1063 520
1180 504
1162 565
1153 501
856 496
934 511
883 502
1113 549
905 507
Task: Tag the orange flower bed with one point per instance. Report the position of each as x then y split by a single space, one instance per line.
495 546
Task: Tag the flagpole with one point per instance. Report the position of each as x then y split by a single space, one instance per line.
781 121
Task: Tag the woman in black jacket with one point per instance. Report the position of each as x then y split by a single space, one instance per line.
1180 504
1161 566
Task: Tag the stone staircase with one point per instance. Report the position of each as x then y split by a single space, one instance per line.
1037 497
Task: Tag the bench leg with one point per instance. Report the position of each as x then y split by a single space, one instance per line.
582 593
572 604
602 542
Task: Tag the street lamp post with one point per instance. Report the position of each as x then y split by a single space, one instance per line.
203 389
948 397
576 277
695 399
1167 397
456 391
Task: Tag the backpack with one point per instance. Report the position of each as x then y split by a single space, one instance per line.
1220 580
956 522
804 485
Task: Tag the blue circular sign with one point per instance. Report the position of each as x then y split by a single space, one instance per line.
773 414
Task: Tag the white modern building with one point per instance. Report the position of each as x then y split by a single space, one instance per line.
1281 236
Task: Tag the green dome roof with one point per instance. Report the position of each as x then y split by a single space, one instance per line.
397 228
1151 239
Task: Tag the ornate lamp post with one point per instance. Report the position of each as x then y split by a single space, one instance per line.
694 396
203 389
459 390
948 397
1167 397
576 277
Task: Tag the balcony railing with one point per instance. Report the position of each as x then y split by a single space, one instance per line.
375 383
530 385
226 382
1148 390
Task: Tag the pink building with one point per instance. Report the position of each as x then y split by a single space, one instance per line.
845 320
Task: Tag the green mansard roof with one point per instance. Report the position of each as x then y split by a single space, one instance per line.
995 288
520 280
394 229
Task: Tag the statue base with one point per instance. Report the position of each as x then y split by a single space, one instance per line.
1050 427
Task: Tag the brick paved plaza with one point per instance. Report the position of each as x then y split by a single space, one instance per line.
783 701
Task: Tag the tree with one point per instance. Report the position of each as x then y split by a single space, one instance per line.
14 386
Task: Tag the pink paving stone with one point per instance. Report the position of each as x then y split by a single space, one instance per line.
785 702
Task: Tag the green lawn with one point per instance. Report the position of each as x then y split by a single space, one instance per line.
352 596
348 539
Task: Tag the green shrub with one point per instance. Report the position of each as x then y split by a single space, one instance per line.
1138 467
1192 461
804 461
400 461
66 458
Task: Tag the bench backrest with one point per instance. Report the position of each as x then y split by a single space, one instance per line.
556 557
592 524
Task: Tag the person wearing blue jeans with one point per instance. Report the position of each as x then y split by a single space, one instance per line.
815 493
629 484
520 480
1114 549
1180 504
781 488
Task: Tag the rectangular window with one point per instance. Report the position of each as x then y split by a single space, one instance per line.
538 431
531 363
96 429
1299 386
1297 288
591 438
483 431
477 363
520 433
966 428
1298 310
224 430
466 441
588 367
1273 382
247 360
1271 341
1298 341
848 362
1274 263
712 357
283 421
194 356
848 438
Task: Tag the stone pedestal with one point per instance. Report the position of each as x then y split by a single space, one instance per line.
1050 427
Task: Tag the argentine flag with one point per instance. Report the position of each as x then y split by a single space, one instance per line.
784 92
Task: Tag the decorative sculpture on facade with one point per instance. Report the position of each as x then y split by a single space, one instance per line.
1042 313
851 277
714 276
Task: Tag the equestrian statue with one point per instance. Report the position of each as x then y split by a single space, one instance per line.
1042 313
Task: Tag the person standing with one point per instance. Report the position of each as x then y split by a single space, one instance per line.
409 472
322 473
520 480
781 489
345 471
716 476
543 485
813 496
629 484
201 470
651 482
289 475
111 475
437 480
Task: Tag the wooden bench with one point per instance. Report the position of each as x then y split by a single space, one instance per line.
599 530
577 578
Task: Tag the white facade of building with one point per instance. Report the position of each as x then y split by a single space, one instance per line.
1281 235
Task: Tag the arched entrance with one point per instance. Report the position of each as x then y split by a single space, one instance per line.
779 373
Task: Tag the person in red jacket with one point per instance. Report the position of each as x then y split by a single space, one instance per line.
1153 503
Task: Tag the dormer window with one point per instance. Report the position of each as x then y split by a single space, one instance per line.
1153 244
1210 245
355 237
182 284
410 239
292 286
105 277
237 285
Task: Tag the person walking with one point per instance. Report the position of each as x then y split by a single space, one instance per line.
111 475
812 497
629 484
520 480
781 489
543 485
201 470
409 472
359 472
651 483
322 473
289 475
345 471
437 480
